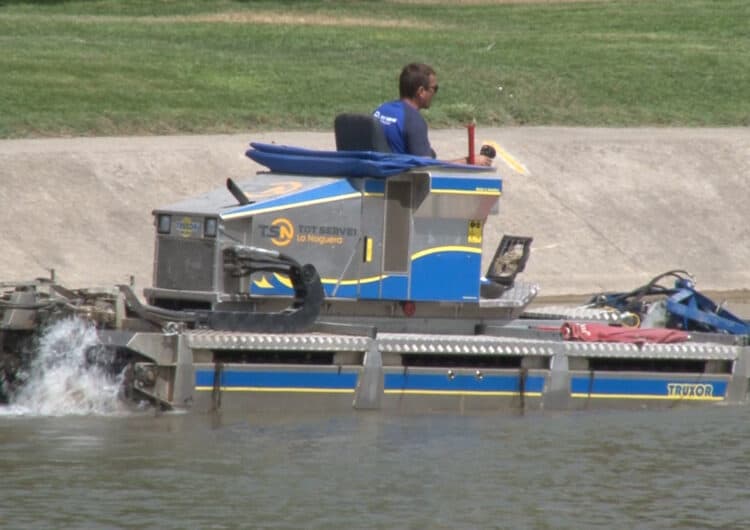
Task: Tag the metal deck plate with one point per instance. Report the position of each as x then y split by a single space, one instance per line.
554 312
227 340
462 344
687 350
519 295
455 344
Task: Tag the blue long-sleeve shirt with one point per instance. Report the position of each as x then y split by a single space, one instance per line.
405 128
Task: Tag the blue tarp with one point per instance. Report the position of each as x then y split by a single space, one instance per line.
300 161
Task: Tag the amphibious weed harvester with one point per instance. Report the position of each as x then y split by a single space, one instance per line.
352 278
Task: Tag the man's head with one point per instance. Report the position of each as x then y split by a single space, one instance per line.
418 83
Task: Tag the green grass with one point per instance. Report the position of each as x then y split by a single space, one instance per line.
157 67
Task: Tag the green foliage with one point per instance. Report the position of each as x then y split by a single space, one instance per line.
112 67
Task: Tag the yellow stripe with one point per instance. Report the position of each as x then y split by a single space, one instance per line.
370 279
368 249
514 164
461 393
239 215
450 248
285 281
263 283
277 389
647 396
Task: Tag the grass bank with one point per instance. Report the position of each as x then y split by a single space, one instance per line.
124 67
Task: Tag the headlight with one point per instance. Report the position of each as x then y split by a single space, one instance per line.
164 223
210 226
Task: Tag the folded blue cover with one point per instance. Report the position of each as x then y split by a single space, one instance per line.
300 161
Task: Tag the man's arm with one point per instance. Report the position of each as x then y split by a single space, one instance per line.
479 160
415 133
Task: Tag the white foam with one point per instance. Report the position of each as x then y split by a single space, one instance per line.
68 376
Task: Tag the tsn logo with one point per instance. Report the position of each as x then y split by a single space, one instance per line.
280 231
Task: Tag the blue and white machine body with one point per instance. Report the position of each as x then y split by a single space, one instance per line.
403 318
398 229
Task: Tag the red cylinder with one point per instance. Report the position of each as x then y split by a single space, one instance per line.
470 130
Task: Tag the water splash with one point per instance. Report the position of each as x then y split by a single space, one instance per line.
68 375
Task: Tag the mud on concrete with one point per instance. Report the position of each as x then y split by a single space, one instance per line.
608 208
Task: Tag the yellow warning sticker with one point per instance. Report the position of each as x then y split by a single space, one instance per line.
475 231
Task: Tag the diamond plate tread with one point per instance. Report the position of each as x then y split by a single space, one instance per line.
572 313
687 350
462 344
519 295
414 343
228 340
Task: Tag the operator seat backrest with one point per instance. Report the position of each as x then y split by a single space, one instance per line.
359 132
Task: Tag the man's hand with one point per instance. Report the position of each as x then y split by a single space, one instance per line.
481 160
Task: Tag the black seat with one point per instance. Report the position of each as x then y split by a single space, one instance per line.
359 132
510 258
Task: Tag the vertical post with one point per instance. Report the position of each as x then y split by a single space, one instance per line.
557 393
737 390
470 130
216 393
184 374
369 392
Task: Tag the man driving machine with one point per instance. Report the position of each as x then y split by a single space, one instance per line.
404 127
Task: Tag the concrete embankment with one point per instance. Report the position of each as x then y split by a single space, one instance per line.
608 208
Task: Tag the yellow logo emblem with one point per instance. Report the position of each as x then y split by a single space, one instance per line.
283 231
279 188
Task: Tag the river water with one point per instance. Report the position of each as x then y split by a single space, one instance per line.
71 457
645 469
